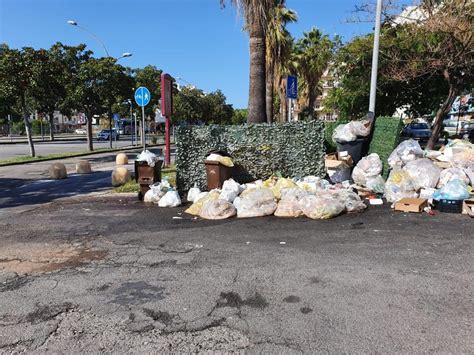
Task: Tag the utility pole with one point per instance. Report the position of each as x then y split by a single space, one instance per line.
375 58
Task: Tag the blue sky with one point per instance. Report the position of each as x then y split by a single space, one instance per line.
192 39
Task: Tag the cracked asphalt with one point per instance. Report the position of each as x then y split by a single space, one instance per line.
110 274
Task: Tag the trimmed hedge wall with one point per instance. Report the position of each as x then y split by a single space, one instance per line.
386 137
258 151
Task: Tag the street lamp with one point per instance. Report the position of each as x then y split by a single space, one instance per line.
125 55
74 23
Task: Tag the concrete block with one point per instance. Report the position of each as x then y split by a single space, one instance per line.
57 171
121 159
83 167
120 176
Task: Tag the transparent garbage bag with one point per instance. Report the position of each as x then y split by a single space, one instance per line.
350 131
288 206
368 167
423 172
450 174
321 207
376 184
203 197
217 209
406 151
281 184
157 191
351 200
257 203
170 199
230 190
193 193
453 190
147 156
399 185
470 173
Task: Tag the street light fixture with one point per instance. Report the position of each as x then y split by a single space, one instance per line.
74 23
125 55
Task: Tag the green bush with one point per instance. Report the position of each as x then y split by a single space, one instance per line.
259 151
385 139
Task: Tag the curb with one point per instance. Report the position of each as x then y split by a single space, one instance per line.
78 155
45 141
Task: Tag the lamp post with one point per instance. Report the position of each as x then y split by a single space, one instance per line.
124 55
375 59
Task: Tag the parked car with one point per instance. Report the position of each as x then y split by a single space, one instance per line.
468 132
417 130
105 135
81 131
452 127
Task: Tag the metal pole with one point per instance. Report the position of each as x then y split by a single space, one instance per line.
375 57
135 129
143 129
10 127
289 110
131 120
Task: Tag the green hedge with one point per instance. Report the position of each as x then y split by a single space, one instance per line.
386 137
259 151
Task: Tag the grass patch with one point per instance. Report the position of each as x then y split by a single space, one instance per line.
28 159
131 186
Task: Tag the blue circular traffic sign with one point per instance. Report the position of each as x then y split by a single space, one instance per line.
142 96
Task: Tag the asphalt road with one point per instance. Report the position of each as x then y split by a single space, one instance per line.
112 275
8 151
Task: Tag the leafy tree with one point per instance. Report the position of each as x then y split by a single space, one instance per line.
256 17
239 116
311 57
278 46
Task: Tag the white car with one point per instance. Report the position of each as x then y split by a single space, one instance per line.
81 131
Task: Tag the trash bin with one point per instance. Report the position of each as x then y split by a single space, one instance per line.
354 148
147 175
216 174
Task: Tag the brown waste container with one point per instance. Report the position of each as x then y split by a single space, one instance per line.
147 175
216 174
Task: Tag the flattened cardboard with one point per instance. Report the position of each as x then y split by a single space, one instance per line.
415 205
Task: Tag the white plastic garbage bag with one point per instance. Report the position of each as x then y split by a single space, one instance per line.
351 131
399 185
470 173
170 199
147 156
157 191
451 174
193 193
217 209
423 172
321 207
230 190
406 151
453 190
375 184
257 203
368 167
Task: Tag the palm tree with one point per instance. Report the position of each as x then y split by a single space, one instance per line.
311 57
256 15
278 48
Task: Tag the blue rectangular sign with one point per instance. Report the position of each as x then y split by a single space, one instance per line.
292 87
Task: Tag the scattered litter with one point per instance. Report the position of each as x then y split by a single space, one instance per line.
282 243
376 201
177 217
247 243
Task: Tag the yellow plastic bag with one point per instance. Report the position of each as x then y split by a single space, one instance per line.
226 161
195 208
281 184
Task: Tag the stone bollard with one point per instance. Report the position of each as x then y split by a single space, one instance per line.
83 167
57 171
121 159
120 176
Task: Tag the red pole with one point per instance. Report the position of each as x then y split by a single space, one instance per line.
167 141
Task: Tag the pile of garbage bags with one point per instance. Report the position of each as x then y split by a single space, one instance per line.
162 194
414 172
283 197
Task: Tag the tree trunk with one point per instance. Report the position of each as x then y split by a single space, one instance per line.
269 92
26 120
257 112
90 144
311 100
283 107
110 130
51 126
440 115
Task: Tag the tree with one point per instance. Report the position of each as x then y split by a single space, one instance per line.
439 43
351 68
256 17
311 57
21 71
278 46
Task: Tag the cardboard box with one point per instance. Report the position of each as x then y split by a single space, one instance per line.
411 205
468 207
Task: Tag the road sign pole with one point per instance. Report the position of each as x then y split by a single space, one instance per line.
143 128
135 129
167 141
